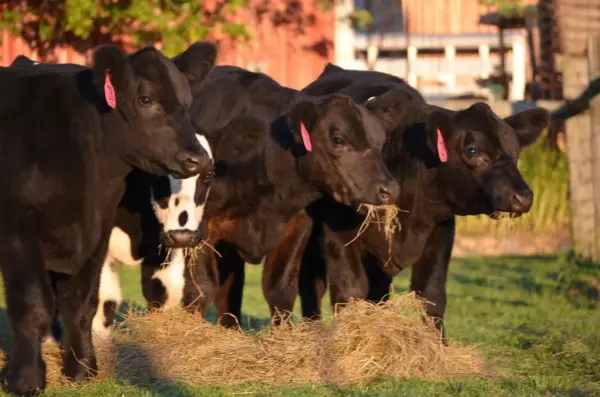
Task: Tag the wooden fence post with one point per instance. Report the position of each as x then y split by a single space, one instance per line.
583 150
594 72
579 153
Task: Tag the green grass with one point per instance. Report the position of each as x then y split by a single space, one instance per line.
547 174
535 319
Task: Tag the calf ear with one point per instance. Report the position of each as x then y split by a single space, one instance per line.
529 124
438 134
197 60
110 61
371 93
304 120
22 60
331 68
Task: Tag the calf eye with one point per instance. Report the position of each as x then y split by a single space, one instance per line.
145 100
208 176
472 151
337 141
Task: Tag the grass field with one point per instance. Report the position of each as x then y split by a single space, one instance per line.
536 320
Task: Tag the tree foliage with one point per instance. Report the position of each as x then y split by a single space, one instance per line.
507 8
85 23
359 18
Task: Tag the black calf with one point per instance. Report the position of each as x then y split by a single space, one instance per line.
448 163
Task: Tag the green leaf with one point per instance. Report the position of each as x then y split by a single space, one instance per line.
361 19
236 31
46 31
325 5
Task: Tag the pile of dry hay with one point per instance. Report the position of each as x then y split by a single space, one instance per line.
362 341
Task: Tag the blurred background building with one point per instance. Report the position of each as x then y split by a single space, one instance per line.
446 48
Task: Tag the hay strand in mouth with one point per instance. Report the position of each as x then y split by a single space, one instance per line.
389 221
363 341
205 243
507 220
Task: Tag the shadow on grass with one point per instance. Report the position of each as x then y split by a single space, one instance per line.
134 367
509 302
578 280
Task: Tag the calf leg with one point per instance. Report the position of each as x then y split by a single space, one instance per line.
228 299
153 288
77 297
430 271
379 281
347 276
109 299
282 268
30 306
168 281
313 276
201 282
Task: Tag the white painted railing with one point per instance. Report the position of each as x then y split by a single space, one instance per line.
446 70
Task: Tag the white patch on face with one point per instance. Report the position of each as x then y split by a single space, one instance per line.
119 248
172 278
205 145
182 212
370 99
110 290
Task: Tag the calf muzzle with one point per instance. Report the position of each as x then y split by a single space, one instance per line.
181 238
521 201
191 163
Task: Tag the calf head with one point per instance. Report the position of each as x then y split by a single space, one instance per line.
179 204
342 150
152 95
480 172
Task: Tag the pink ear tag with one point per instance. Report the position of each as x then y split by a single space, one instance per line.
305 137
441 147
109 92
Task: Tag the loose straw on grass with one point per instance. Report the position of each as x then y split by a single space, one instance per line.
363 341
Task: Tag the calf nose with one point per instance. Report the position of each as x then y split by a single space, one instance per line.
388 192
182 238
521 201
192 163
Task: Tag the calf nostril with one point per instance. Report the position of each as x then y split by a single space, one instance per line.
192 163
183 218
522 201
384 194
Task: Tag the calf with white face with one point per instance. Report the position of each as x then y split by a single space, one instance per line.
157 220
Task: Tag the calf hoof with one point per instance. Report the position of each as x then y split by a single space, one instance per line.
26 381
80 370
229 321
